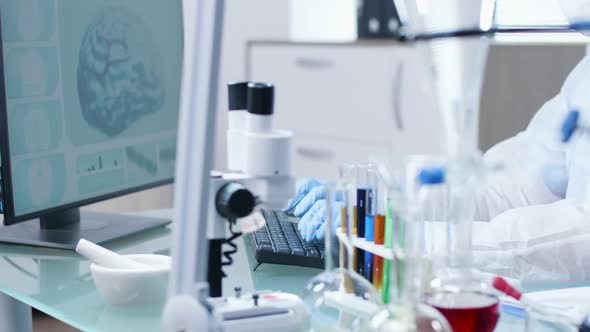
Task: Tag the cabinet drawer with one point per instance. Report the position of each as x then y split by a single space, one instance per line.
320 157
371 95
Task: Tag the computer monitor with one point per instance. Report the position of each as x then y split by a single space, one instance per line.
89 103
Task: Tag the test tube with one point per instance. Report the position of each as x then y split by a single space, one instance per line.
347 176
379 234
370 206
362 175
362 182
386 282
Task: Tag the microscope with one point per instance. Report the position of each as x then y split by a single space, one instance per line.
207 205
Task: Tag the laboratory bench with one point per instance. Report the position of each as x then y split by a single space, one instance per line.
59 283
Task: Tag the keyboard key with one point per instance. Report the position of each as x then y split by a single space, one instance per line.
298 251
293 239
298 247
264 247
265 243
281 244
284 250
313 253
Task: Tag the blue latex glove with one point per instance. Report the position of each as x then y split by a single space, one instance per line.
556 178
313 224
308 193
320 233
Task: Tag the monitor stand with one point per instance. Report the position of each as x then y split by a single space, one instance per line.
63 229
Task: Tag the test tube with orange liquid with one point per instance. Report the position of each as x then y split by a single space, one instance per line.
380 206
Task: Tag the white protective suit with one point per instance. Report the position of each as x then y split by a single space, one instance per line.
533 219
539 168
544 233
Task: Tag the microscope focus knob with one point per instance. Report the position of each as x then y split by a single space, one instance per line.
234 200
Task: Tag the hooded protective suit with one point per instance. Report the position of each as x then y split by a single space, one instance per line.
539 207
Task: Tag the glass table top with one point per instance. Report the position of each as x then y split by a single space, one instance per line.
59 283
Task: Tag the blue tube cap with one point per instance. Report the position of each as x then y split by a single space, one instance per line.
431 175
569 126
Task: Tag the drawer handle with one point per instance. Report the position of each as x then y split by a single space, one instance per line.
312 153
313 64
397 96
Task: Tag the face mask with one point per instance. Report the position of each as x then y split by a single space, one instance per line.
576 11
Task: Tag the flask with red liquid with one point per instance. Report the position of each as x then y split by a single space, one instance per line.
468 303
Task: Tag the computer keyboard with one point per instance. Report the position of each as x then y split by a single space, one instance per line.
279 242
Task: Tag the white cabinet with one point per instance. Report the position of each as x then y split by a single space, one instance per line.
345 102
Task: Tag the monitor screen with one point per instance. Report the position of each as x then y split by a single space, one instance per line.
92 99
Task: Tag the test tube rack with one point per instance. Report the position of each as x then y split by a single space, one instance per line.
368 246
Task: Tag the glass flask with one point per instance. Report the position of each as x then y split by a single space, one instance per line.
407 312
468 302
339 299
457 62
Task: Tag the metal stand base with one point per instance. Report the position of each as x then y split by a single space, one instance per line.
64 230
215 271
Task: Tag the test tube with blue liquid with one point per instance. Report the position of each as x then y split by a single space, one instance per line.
370 211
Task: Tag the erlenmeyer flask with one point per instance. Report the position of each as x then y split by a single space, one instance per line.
468 303
339 299
457 63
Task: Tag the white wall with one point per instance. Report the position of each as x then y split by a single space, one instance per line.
323 20
244 20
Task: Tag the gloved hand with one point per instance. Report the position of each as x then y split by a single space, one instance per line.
556 178
313 224
308 193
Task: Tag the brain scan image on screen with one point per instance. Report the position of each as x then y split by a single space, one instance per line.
40 181
92 98
29 23
32 72
36 127
120 76
37 130
28 20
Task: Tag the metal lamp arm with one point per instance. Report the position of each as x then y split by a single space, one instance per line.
203 21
